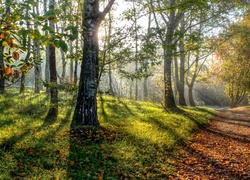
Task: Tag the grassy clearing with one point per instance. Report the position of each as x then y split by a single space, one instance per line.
136 140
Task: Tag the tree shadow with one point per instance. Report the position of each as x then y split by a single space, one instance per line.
241 139
198 163
38 154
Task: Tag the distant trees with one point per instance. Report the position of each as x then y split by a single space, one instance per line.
177 34
235 57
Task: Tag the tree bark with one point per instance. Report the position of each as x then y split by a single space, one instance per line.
47 71
190 94
38 68
2 80
168 90
181 87
71 71
86 105
53 111
64 64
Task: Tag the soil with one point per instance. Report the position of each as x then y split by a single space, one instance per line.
219 151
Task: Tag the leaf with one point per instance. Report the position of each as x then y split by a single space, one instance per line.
8 71
15 55
46 42
56 43
2 35
64 46
4 43
10 42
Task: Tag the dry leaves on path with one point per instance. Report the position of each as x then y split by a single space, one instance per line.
219 151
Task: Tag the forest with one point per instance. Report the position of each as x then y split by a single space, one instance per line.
124 89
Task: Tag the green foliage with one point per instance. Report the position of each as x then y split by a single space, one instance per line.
234 53
19 25
137 140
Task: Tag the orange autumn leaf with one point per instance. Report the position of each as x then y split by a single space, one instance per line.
8 71
30 66
15 55
10 42
2 35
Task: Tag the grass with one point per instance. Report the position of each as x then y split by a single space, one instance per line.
136 140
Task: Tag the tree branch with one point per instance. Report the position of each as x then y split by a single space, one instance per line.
105 11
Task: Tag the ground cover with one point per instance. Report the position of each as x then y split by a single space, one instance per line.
135 140
220 150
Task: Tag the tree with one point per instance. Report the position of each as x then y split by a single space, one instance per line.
171 17
234 52
53 110
37 56
86 105
46 70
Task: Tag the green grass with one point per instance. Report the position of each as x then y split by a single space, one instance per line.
136 140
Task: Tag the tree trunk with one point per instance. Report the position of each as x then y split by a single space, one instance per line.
2 80
22 86
38 68
76 64
181 88
176 81
86 105
64 64
71 71
53 111
190 94
110 81
169 95
47 73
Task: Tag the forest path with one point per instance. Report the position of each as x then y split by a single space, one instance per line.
219 151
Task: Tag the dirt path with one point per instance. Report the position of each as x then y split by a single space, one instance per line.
219 151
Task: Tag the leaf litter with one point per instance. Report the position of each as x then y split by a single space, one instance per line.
219 151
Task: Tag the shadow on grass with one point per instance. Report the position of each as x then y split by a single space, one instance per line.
96 153
8 144
41 153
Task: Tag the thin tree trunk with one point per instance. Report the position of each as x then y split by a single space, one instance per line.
109 56
38 68
22 86
47 68
53 111
191 84
190 94
71 71
2 79
181 87
64 64
76 64
136 50
176 80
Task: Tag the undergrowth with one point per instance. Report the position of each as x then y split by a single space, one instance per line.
136 140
